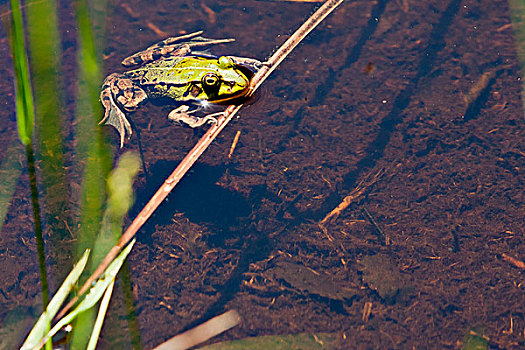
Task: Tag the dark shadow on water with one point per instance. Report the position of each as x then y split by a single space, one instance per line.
388 125
228 213
353 52
375 149
197 196
256 247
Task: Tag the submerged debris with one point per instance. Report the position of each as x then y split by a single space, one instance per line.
381 275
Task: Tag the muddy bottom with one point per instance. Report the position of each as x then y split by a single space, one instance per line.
408 112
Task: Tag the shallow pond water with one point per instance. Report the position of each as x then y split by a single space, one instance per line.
409 110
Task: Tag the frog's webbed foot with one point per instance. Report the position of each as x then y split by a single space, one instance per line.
118 88
182 115
114 116
170 47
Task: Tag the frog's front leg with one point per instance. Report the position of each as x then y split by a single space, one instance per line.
118 90
183 115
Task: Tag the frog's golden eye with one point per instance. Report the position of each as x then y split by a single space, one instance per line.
210 79
225 62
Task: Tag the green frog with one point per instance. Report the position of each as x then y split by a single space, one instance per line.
171 70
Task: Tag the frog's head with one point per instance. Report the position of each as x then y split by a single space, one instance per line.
227 82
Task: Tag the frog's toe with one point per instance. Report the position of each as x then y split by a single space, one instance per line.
105 98
185 119
209 119
123 128
212 118
115 117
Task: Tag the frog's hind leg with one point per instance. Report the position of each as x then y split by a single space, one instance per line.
173 46
175 39
118 88
129 95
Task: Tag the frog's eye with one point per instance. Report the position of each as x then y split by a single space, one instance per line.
210 79
225 62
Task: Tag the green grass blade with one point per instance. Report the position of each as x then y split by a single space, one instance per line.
93 340
25 115
25 121
45 53
41 327
95 293
120 200
92 148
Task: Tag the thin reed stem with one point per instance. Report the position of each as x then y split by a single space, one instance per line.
38 224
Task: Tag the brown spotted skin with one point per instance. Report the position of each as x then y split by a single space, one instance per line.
148 56
174 46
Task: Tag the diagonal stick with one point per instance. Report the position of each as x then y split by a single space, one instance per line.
203 144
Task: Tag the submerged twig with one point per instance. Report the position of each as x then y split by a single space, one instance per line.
360 189
234 143
380 232
518 263
204 142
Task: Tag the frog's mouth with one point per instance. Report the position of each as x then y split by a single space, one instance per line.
233 97
238 96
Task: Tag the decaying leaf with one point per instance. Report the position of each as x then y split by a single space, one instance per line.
304 280
381 275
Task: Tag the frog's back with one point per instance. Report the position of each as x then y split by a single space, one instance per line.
173 70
